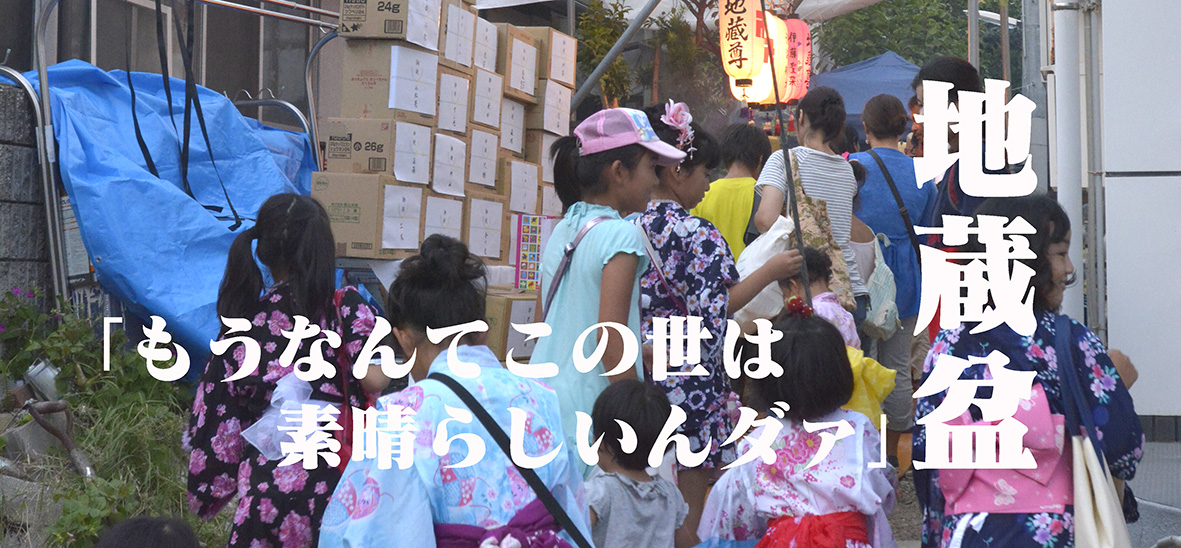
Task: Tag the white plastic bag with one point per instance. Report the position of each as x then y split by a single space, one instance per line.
769 302
289 395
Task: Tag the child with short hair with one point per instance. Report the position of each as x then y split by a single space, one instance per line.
629 506
840 501
824 301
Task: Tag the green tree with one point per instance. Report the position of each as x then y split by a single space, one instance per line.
599 27
683 69
918 30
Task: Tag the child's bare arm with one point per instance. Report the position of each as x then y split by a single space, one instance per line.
615 302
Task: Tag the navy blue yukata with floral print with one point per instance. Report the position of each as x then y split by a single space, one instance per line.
1119 428
700 270
278 506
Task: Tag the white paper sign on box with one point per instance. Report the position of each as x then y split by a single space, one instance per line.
450 160
424 34
521 312
523 72
487 42
414 76
461 29
485 149
551 205
453 94
512 125
401 217
563 53
522 187
484 227
557 108
444 216
489 93
412 153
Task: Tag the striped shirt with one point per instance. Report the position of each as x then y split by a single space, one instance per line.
825 177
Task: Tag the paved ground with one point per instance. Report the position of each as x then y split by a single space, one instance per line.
1157 486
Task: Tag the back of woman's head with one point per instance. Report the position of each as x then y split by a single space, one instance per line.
1052 226
640 405
442 286
148 532
958 72
745 144
295 243
847 141
817 378
705 150
825 110
885 117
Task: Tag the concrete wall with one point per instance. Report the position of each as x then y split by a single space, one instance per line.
24 251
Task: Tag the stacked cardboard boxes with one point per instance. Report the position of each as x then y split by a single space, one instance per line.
549 118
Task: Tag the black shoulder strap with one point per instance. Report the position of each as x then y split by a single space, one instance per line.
914 240
502 439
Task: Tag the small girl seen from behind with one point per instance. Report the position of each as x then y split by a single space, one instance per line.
629 506
824 301
840 501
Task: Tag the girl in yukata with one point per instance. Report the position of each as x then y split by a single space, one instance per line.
458 496
693 273
277 505
839 501
1033 507
602 173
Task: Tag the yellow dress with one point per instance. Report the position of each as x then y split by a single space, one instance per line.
871 383
727 204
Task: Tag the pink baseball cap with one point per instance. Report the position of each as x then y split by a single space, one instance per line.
619 127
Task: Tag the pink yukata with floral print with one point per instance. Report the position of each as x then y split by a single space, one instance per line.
278 506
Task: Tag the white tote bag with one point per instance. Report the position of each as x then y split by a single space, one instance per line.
769 302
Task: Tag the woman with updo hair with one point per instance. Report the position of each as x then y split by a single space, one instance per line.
820 118
885 121
422 498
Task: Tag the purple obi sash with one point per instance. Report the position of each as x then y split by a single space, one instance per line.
531 527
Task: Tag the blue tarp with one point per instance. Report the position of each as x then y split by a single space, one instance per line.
861 81
153 247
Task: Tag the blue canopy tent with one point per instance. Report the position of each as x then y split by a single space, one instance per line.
861 81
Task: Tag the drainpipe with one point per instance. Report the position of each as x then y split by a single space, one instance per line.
1068 132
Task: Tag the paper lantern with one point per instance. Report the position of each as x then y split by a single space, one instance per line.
761 89
799 54
740 43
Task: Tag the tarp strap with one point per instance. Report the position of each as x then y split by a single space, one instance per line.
139 136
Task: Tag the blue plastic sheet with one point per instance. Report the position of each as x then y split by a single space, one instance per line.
861 81
155 248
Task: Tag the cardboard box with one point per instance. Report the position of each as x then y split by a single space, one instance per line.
557 55
407 93
401 227
454 95
445 215
524 186
487 230
487 44
450 170
512 127
551 205
373 216
506 306
487 98
483 158
457 35
537 150
415 21
552 111
369 145
516 59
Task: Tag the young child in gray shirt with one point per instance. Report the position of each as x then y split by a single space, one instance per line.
630 507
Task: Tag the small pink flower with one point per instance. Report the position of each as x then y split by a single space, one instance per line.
222 486
227 444
296 531
321 487
279 323
847 481
243 510
196 461
290 478
267 511
259 319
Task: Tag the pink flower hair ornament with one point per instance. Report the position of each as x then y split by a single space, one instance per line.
677 116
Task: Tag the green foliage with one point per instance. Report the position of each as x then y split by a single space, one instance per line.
918 30
599 27
688 71
89 508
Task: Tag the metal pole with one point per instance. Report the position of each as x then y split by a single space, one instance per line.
313 125
309 9
1097 204
1068 115
60 274
268 13
56 254
1004 13
571 10
614 52
303 120
974 33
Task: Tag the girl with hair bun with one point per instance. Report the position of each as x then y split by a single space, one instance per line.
825 175
427 502
277 505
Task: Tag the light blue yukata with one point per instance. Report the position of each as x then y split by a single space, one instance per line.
576 304
373 507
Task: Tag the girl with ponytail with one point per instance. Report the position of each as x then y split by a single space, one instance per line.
277 505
